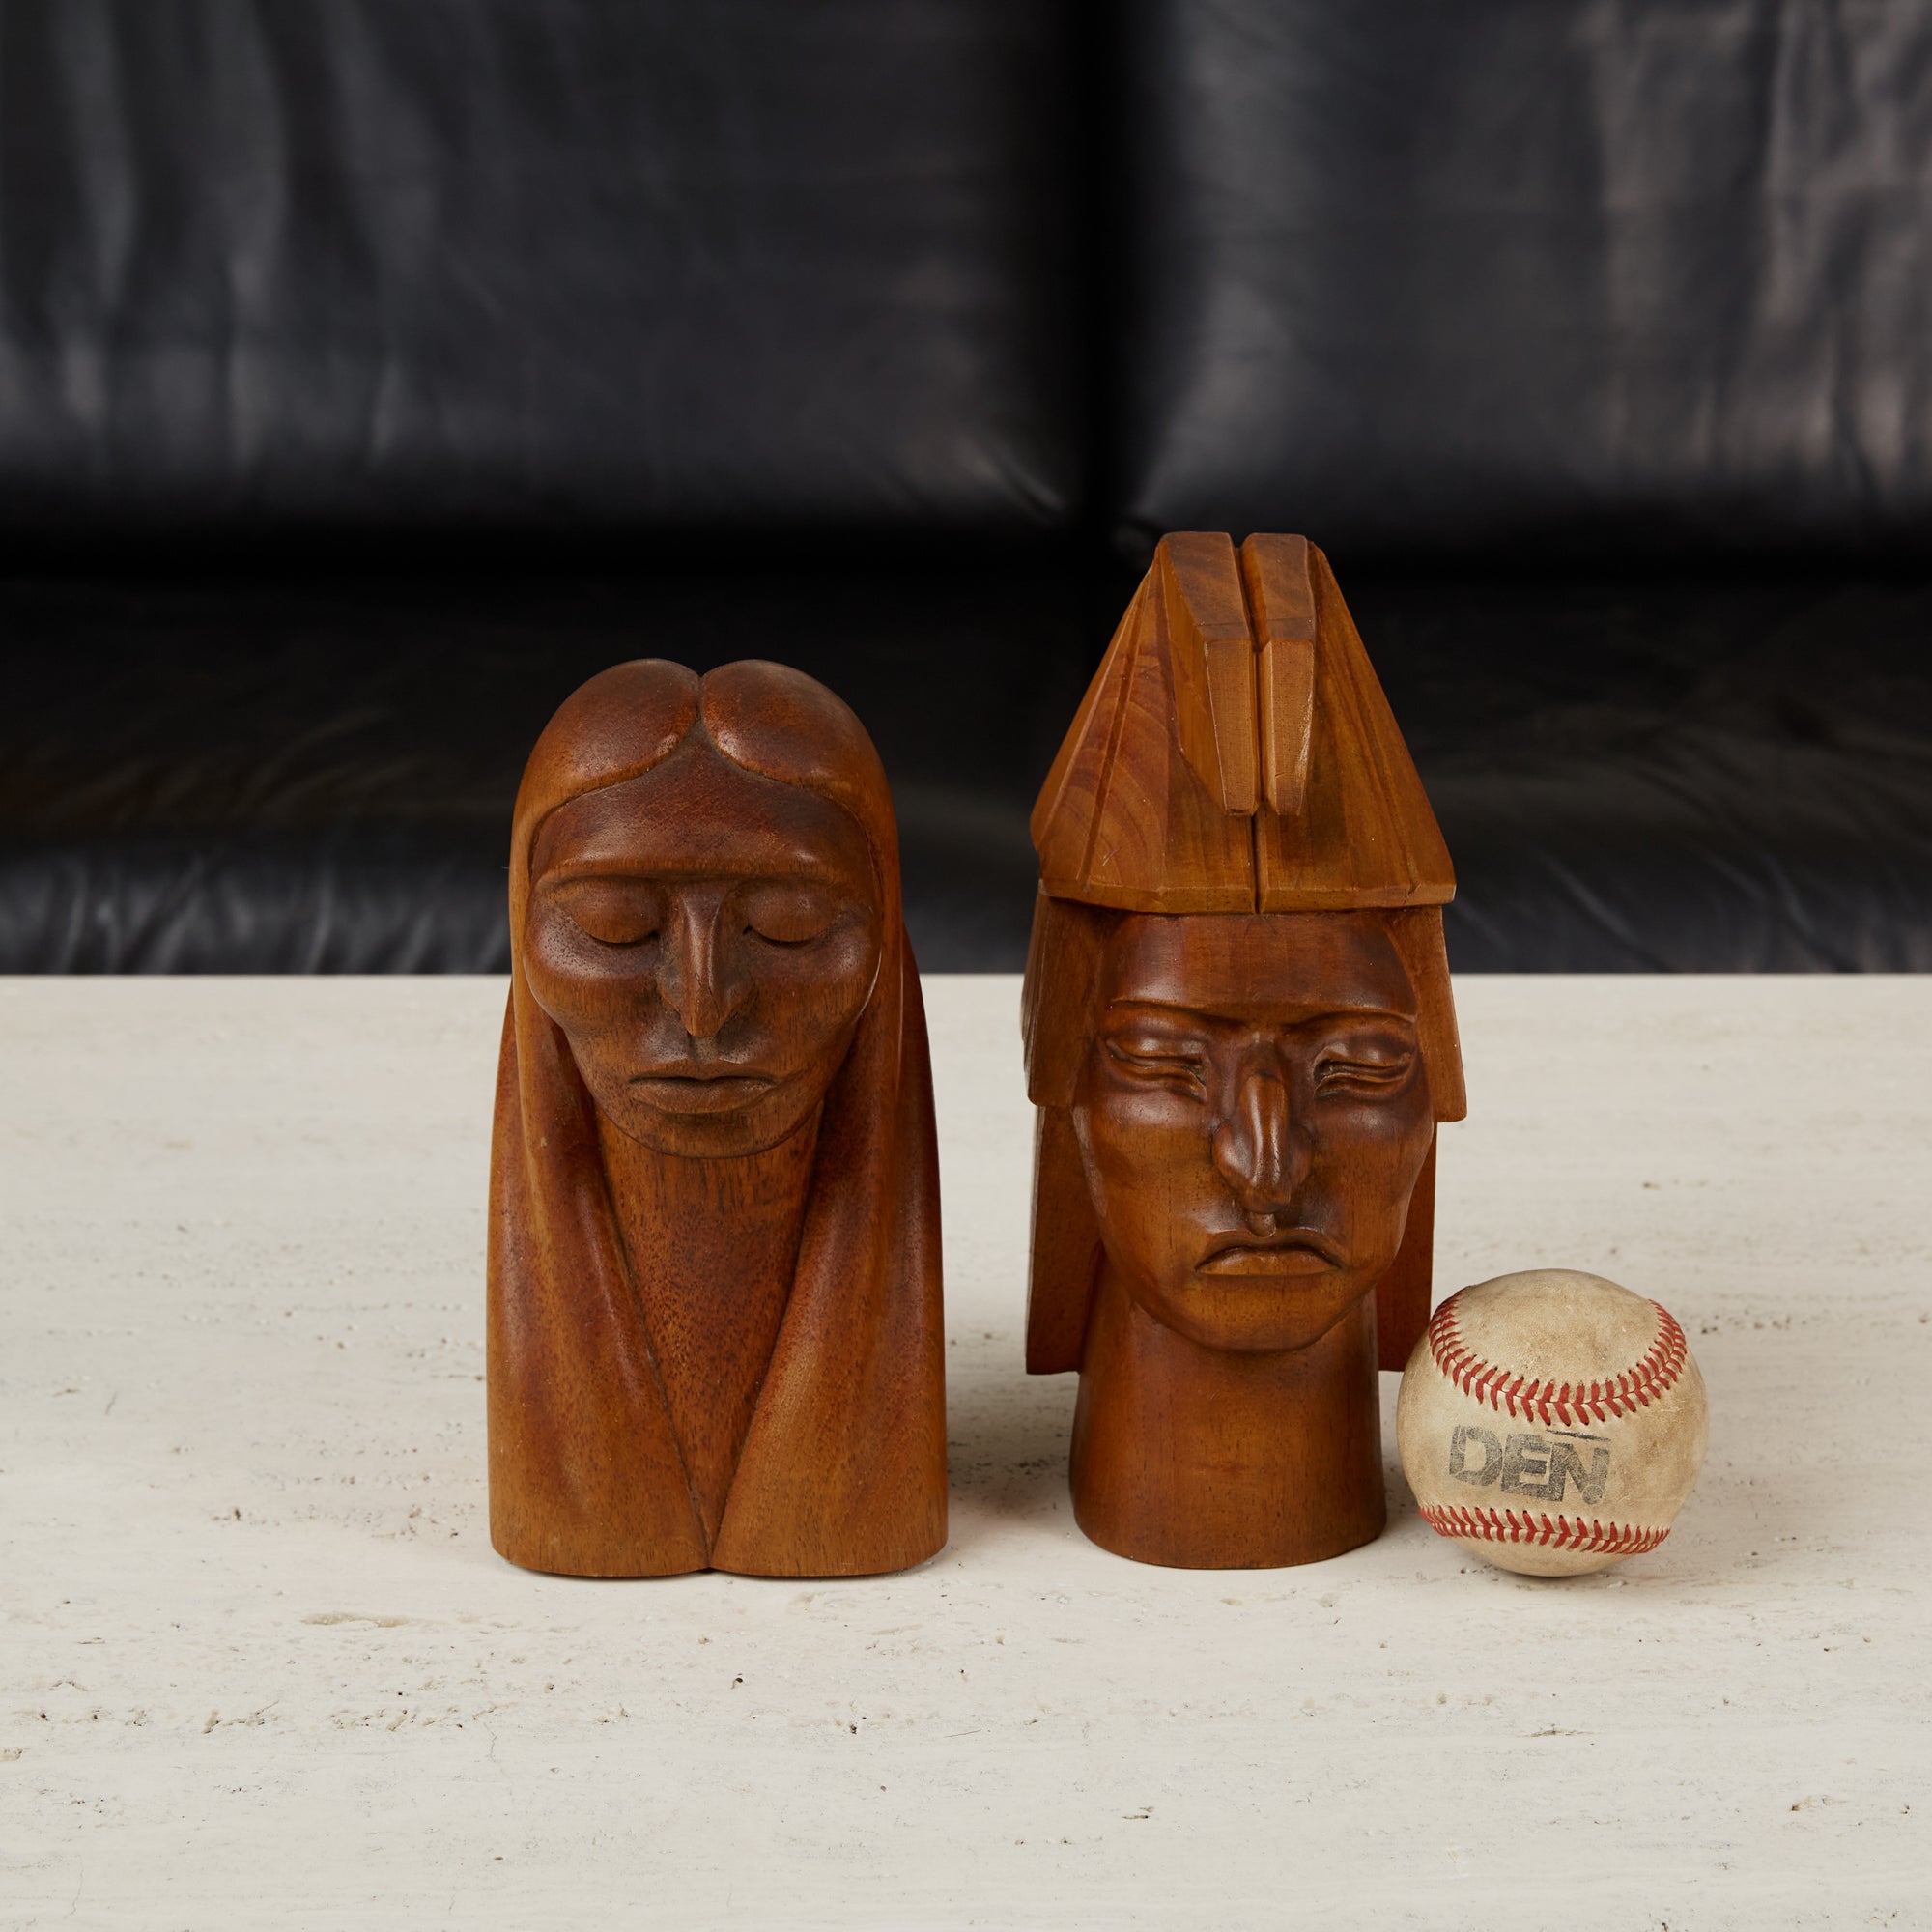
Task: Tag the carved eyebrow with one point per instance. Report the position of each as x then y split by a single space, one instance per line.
617 870
591 872
1174 1008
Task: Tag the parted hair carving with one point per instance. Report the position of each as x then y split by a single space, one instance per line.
714 1123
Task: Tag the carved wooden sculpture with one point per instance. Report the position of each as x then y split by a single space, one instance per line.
1241 1037
714 1324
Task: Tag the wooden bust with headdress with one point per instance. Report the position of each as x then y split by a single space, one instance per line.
1240 1039
714 1325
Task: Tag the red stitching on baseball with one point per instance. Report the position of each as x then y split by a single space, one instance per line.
1638 1388
1594 1538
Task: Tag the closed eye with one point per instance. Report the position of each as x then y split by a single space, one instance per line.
611 915
1338 1075
1176 1066
617 933
789 923
787 913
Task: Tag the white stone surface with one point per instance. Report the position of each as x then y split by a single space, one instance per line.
260 1667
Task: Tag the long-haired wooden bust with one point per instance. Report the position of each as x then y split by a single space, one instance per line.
713 1323
1240 1036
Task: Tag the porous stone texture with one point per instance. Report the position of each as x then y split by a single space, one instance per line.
1558 1420
259 1666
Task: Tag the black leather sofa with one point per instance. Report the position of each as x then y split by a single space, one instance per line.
370 375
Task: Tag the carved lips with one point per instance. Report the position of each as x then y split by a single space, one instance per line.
1291 1252
695 1088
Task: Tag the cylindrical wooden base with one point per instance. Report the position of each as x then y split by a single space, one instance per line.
1209 1458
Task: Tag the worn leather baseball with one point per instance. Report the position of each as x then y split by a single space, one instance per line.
1551 1422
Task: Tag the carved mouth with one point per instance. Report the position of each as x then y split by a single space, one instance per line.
703 1087
1292 1251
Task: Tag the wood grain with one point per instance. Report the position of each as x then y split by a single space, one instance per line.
1281 600
1241 1037
714 1313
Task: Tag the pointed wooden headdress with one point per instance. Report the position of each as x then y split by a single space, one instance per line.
1235 751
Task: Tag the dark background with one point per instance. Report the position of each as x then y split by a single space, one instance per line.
370 375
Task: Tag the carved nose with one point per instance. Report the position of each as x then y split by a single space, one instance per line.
1258 1150
692 979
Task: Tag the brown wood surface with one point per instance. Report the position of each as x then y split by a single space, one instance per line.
1364 835
1125 819
714 1313
1213 1459
1274 572
1154 803
1211 654
1240 1037
711 1246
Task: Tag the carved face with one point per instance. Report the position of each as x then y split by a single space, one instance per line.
1252 1119
706 939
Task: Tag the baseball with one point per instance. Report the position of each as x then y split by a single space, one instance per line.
1551 1422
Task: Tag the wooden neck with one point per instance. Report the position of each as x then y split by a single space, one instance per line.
1210 1458
712 1247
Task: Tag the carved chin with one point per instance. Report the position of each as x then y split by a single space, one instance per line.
698 1120
1255 1311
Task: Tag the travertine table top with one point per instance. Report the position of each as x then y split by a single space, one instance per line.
260 1667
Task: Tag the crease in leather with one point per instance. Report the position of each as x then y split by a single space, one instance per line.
316 777
1618 277
538 263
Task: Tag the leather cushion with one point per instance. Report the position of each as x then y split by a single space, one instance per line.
1702 773
535 262
1613 276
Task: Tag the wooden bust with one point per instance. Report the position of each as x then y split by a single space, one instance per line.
1241 1037
714 1317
